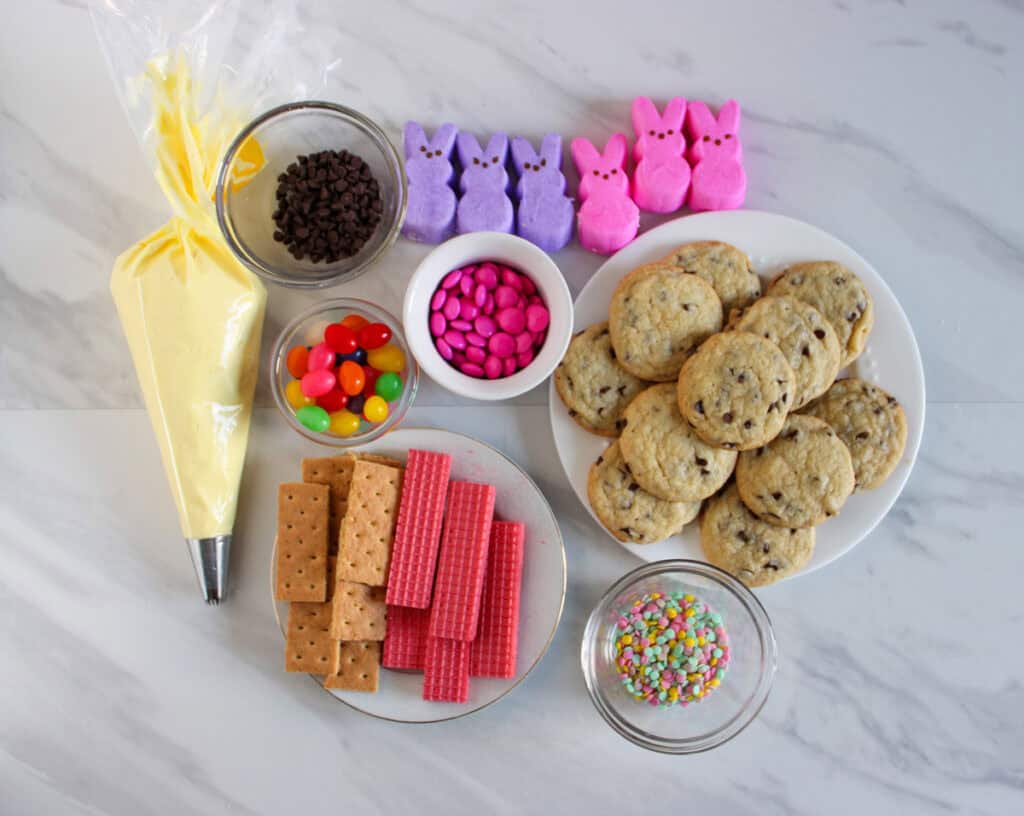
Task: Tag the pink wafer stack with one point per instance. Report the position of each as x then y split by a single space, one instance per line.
493 652
405 646
446 670
418 529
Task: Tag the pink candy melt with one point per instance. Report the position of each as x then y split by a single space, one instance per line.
488 320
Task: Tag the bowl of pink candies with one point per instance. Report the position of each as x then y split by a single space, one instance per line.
488 315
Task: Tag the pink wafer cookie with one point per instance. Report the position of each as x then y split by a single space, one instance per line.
493 653
418 531
463 561
446 671
405 645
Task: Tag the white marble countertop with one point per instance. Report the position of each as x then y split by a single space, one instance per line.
894 125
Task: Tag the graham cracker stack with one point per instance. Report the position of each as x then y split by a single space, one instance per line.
368 530
301 542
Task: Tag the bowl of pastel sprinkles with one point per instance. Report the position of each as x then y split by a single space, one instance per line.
678 656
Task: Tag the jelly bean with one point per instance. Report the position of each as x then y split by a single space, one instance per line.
333 400
529 287
389 358
344 423
512 320
475 339
352 378
437 301
354 322
313 417
524 359
537 318
487 274
438 325
452 308
357 356
502 344
451 279
340 338
370 375
461 325
374 335
492 367
485 326
455 339
297 361
355 404
510 367
319 382
469 310
505 297
467 285
321 356
389 386
475 354
471 370
443 348
524 341
293 393
480 296
489 304
511 278
375 409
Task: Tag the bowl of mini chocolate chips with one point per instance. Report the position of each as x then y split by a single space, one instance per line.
310 194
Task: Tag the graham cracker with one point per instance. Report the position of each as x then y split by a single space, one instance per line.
309 646
301 542
368 530
356 666
377 459
336 473
359 612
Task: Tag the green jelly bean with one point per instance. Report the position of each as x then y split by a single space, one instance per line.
313 417
388 386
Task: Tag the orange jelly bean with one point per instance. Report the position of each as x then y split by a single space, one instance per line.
352 377
354 322
297 361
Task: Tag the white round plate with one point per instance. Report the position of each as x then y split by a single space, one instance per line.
518 498
773 242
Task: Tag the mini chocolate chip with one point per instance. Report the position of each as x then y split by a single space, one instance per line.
687 307
819 333
791 435
742 536
759 452
604 389
772 565
892 401
620 423
699 407
633 486
573 413
748 424
600 459
741 377
611 353
727 417
601 333
806 351
776 495
705 472
792 531
701 461
621 390
862 435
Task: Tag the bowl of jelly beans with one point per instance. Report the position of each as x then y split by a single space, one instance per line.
678 656
488 315
342 372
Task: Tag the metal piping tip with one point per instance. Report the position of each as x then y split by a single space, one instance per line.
210 560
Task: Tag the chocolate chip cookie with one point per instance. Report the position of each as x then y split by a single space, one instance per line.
838 294
726 268
735 391
757 553
871 423
658 316
804 336
628 511
594 387
800 478
664 453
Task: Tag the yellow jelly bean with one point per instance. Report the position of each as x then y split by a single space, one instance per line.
386 358
376 409
344 423
296 399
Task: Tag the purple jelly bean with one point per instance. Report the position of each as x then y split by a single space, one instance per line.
471 369
511 278
505 297
451 279
524 341
493 367
438 325
501 344
529 287
512 320
468 309
455 339
489 305
443 348
475 339
451 308
467 284
487 275
509 366
475 354
537 318
437 301
524 359
480 296
461 325
485 326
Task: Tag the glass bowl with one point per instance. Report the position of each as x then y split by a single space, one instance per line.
307 329
246 201
719 716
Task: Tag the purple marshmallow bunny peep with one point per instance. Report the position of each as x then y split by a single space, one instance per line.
545 214
484 205
430 215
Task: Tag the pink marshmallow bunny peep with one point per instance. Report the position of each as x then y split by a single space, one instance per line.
719 181
608 219
662 176
430 214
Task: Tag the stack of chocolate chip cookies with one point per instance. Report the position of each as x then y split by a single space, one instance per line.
724 396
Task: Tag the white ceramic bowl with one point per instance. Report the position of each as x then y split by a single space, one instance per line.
476 247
